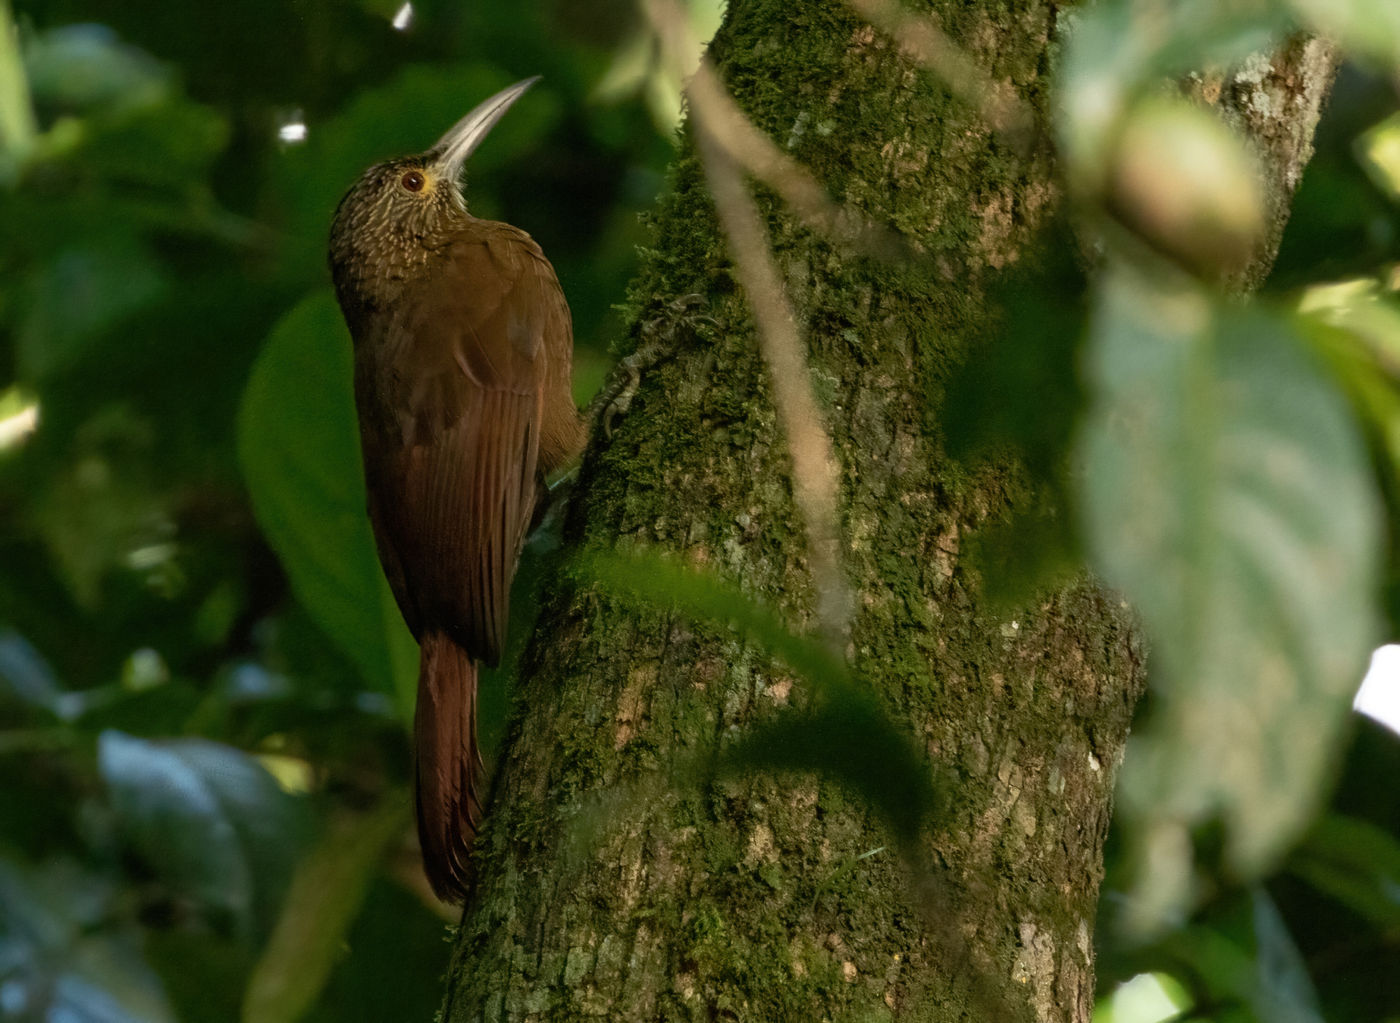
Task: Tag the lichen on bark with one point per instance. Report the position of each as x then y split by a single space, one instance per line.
621 876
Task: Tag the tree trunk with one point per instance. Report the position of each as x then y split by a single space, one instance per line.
611 884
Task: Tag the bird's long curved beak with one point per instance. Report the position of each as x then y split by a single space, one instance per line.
452 150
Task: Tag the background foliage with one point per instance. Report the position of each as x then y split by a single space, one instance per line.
204 686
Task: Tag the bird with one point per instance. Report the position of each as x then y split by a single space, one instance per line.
463 347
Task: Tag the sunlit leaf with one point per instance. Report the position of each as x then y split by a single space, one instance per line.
323 901
1226 491
1367 27
299 450
207 819
1359 338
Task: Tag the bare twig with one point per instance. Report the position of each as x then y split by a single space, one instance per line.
814 475
923 40
745 145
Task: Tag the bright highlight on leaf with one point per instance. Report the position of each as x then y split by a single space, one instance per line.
1379 695
293 131
403 17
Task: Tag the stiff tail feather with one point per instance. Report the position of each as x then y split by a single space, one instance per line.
447 764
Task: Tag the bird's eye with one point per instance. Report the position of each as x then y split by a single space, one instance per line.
413 181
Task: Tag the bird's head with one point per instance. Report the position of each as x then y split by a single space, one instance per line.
393 217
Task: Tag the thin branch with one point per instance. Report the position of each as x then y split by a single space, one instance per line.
744 144
924 41
814 474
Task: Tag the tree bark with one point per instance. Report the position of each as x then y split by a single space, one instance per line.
614 886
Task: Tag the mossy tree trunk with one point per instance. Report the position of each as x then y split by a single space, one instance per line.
610 888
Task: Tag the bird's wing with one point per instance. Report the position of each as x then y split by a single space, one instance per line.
451 405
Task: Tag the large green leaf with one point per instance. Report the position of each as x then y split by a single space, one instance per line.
1226 491
300 454
207 819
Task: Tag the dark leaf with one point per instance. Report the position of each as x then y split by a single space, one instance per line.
207 820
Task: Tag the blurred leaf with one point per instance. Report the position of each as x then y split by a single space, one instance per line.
1367 27
1034 550
99 505
60 957
1227 492
847 734
207 819
75 68
1020 389
1356 863
80 292
659 583
851 739
1283 991
26 674
322 903
1019 396
299 448
1120 49
1358 333
167 147
393 958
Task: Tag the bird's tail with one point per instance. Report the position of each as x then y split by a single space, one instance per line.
447 764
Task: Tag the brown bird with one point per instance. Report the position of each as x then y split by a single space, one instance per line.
463 345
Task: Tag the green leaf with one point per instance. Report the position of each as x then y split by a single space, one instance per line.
1227 492
27 676
656 582
207 819
1283 991
80 67
1358 332
324 899
851 740
1356 863
299 449
846 734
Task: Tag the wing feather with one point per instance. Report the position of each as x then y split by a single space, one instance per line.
451 407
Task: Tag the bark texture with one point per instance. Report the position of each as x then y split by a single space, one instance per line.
613 884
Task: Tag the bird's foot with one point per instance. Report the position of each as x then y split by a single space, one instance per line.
658 343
